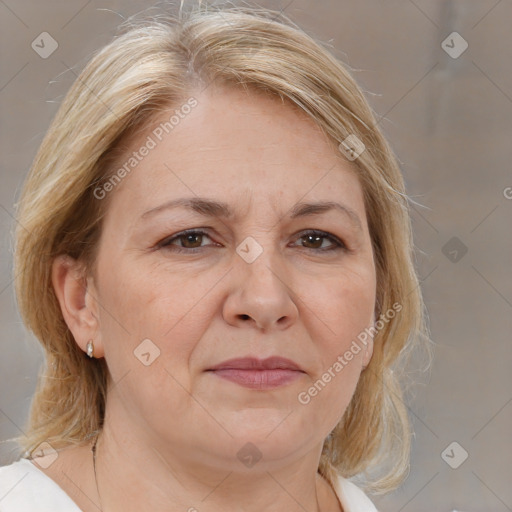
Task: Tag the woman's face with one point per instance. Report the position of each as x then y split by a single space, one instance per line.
251 281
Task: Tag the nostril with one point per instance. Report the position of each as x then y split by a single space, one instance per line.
245 317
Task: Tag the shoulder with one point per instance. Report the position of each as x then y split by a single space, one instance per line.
352 498
25 488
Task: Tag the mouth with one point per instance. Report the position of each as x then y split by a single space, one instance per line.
257 373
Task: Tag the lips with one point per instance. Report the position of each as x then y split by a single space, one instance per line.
253 363
256 373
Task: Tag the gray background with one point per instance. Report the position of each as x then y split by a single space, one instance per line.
448 119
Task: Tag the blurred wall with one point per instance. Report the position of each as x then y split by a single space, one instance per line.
447 111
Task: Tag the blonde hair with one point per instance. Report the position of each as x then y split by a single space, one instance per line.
151 65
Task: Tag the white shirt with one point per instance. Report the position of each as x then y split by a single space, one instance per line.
25 488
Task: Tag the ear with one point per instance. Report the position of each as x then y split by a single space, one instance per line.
77 298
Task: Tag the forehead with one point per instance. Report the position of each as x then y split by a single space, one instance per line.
235 145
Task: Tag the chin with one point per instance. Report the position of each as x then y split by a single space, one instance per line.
276 442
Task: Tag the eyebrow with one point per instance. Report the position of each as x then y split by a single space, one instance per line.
219 209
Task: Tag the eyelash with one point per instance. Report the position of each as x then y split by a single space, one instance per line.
166 243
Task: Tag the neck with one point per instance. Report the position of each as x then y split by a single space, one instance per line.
137 475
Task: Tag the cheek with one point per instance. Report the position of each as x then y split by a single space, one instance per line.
349 309
149 331
139 305
347 304
145 301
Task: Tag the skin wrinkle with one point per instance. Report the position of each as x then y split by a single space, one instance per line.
298 303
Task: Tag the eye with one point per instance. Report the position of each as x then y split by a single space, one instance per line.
190 241
314 240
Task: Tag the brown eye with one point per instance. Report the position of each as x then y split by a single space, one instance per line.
189 241
314 240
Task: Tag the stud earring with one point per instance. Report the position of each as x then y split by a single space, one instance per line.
90 349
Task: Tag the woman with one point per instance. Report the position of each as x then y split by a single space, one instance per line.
216 256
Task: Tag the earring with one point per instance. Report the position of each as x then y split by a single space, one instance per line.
90 349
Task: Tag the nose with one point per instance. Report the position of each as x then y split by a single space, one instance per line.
261 295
